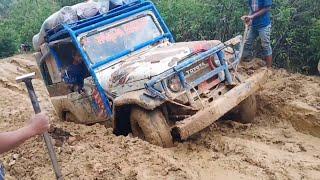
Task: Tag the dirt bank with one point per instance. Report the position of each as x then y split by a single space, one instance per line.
282 144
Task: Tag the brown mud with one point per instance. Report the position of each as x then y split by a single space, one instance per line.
283 143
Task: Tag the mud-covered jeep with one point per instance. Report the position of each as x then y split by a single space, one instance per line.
138 78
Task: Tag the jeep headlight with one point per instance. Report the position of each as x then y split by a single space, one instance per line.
174 84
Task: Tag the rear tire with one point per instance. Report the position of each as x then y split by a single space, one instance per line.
247 110
151 126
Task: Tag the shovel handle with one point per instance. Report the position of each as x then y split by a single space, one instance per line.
244 37
53 157
47 138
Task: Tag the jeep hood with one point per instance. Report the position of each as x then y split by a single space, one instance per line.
131 72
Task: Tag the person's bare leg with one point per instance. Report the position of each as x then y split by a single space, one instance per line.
268 60
264 34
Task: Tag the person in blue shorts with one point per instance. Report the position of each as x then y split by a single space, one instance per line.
259 22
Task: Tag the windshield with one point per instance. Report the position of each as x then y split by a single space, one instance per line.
111 41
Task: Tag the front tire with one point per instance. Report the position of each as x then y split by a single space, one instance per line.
151 126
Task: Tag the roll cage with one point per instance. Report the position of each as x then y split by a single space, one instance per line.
73 30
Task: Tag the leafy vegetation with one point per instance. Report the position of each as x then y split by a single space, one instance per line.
295 32
23 21
295 36
68 2
4 7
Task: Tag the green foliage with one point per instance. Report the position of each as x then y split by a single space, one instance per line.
4 7
315 40
22 22
68 2
204 19
7 46
295 36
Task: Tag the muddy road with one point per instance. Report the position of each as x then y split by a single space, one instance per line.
284 143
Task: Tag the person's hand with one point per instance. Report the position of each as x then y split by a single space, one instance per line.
39 124
247 19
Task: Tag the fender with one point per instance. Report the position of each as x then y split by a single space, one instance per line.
138 98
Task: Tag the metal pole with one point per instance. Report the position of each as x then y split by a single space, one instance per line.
47 139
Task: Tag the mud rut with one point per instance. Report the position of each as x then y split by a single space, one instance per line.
283 144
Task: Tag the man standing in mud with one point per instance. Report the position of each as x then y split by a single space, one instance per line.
9 140
259 22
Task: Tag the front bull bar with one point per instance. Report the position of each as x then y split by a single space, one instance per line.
219 107
178 69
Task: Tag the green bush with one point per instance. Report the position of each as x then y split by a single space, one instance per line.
204 19
68 2
7 46
295 32
22 22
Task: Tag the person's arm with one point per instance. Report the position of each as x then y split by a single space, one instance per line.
259 13
9 140
248 19
265 8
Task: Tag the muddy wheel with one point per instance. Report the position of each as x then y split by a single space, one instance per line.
247 109
151 126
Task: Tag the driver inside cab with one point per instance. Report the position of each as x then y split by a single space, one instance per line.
75 74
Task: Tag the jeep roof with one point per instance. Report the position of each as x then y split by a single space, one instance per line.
73 30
